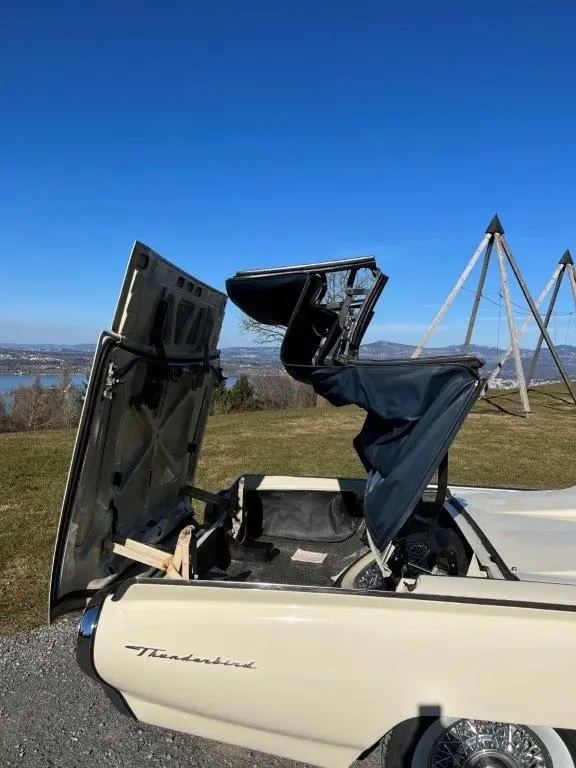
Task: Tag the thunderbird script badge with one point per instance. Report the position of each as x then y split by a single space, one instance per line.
161 653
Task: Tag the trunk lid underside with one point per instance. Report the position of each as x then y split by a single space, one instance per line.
142 425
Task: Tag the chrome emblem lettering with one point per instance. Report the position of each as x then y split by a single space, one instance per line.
161 653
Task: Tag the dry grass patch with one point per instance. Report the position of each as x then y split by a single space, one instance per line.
493 448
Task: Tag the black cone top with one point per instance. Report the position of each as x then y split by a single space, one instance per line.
495 227
566 258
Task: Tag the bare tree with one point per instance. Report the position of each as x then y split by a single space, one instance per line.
28 407
278 391
336 285
262 334
68 412
5 421
37 407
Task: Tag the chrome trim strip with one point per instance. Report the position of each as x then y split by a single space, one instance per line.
85 639
85 653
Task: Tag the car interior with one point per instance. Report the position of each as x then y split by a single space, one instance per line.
275 532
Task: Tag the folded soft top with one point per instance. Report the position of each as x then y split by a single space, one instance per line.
414 407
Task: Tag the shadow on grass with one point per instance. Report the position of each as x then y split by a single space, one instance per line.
552 396
505 408
509 402
505 403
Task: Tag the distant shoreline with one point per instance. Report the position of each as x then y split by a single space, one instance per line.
9 382
44 373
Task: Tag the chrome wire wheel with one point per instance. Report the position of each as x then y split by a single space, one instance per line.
450 742
485 744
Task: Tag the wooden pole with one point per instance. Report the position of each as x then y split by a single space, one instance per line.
478 296
538 319
498 367
512 326
572 280
453 293
546 322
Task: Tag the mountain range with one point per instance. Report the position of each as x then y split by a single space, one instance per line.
247 357
48 358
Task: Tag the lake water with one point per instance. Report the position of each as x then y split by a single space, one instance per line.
8 383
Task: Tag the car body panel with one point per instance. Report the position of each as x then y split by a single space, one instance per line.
142 425
324 673
534 532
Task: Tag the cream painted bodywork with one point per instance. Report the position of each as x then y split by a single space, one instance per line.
534 532
321 674
334 670
300 483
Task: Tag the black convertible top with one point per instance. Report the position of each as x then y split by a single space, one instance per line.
414 407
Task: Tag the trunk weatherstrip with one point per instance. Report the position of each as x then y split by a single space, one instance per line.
506 572
123 587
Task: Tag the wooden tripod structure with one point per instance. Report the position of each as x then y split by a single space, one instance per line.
564 267
494 236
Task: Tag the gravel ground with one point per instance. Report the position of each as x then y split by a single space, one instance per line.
53 716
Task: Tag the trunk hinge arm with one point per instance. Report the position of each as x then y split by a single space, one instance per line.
193 492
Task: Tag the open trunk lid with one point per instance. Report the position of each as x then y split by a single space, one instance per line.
141 427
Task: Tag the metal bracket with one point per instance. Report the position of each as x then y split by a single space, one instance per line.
201 495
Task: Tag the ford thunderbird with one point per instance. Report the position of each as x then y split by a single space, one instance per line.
315 618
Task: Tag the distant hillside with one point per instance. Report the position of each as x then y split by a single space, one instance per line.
545 370
50 358
41 359
390 349
237 358
48 347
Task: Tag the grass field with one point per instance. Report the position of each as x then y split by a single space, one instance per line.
494 447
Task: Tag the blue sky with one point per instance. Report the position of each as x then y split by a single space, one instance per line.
231 135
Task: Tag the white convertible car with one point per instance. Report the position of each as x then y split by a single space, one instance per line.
311 618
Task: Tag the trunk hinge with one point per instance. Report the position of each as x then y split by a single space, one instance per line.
180 565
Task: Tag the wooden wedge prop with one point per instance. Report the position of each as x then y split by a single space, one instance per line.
175 566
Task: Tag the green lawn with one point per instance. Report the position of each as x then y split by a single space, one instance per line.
494 447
